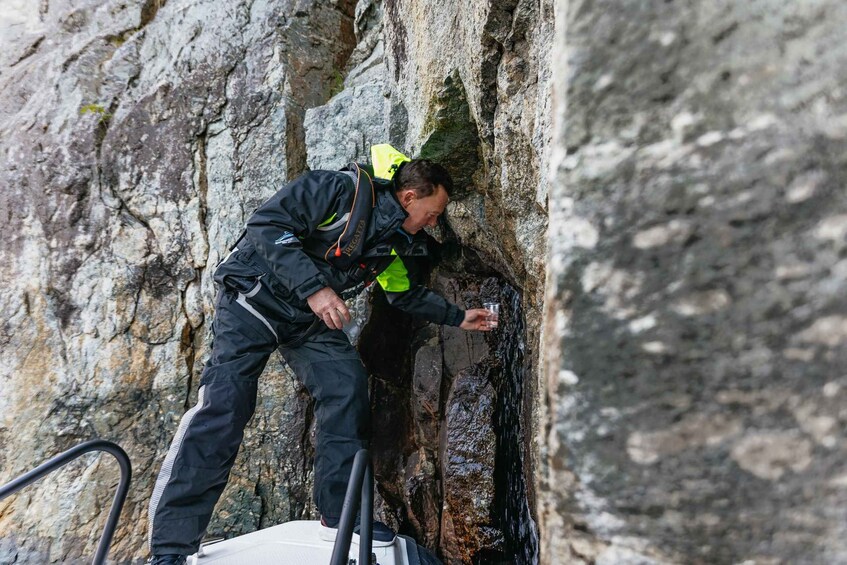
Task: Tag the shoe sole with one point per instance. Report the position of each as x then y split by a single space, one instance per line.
328 534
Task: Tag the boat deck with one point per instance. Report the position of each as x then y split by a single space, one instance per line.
291 543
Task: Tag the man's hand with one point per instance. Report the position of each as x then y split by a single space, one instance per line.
329 308
477 319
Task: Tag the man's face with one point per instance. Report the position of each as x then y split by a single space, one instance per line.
422 211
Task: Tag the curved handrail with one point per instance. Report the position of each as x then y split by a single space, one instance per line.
360 476
63 459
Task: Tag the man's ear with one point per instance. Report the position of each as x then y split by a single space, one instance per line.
406 196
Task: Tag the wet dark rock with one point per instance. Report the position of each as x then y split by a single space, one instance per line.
461 349
451 489
468 468
426 394
508 375
423 497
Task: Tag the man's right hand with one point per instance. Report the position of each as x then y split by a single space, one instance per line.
329 308
478 319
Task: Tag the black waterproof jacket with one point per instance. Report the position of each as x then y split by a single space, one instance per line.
287 237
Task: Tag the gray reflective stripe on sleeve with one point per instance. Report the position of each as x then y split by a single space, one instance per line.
339 222
242 300
168 466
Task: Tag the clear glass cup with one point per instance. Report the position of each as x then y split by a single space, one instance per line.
493 313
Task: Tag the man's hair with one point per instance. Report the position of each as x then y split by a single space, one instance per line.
422 176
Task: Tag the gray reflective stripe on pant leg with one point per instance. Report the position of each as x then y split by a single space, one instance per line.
168 466
242 301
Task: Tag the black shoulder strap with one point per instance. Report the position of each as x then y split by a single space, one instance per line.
352 240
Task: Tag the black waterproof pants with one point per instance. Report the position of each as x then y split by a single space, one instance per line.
197 465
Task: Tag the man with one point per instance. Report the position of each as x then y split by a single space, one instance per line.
325 233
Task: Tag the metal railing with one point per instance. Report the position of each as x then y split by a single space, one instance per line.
361 479
63 459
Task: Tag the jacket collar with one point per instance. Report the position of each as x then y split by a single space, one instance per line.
389 214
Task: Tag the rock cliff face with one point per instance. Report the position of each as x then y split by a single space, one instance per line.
695 321
138 136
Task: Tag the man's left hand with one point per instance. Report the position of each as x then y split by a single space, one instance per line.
477 319
329 308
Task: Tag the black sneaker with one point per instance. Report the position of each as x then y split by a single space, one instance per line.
169 559
382 535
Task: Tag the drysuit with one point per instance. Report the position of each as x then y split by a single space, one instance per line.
263 283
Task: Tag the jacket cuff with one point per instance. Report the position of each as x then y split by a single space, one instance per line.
309 287
455 316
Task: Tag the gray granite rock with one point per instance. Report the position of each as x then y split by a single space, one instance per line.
345 129
136 139
694 350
